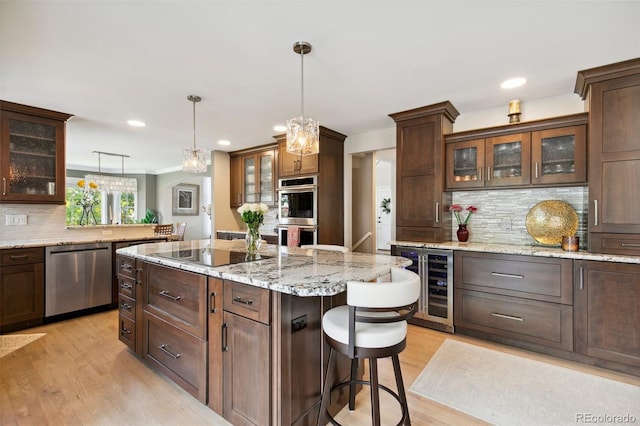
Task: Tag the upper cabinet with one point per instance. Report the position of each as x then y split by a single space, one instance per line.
295 165
32 154
536 153
420 173
612 93
253 176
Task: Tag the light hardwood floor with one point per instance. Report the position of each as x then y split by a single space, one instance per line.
81 374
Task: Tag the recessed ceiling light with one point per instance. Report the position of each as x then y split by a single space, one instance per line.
224 142
136 123
280 128
513 82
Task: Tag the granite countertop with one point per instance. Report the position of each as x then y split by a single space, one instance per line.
290 270
46 242
531 250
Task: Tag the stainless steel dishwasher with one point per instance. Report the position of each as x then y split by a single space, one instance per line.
77 277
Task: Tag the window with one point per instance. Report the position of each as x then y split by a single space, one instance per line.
117 208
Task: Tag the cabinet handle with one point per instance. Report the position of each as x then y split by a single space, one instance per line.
510 317
18 256
225 348
595 212
126 286
480 174
581 278
629 245
536 170
500 274
437 212
126 267
488 173
166 294
124 331
212 302
164 349
4 186
243 301
126 306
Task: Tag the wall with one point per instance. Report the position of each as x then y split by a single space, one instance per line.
363 184
199 226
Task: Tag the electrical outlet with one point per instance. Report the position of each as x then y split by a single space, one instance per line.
299 323
16 219
505 225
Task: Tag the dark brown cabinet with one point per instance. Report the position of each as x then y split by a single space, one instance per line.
328 165
420 173
253 176
514 299
130 302
32 154
538 153
612 93
215 290
246 337
174 329
21 288
607 296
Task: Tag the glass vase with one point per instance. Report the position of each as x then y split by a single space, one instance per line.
253 240
462 233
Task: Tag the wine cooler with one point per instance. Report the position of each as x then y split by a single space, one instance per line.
435 267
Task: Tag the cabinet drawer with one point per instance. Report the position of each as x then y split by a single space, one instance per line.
178 297
21 256
548 324
127 306
127 286
127 331
536 278
248 301
406 233
177 354
615 243
126 266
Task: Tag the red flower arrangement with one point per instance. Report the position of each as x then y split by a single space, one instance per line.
457 209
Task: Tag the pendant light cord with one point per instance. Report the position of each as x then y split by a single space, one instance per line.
302 84
194 125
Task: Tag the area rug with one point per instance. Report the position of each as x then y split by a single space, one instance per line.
506 389
12 342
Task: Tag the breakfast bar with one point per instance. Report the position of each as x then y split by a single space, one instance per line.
241 333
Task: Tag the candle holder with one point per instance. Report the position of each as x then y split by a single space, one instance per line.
514 111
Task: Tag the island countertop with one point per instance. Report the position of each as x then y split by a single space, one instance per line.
291 270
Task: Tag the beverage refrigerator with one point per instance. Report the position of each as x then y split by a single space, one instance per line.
435 267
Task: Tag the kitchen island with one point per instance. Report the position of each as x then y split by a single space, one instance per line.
240 333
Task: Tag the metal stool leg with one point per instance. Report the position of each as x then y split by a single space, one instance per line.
400 384
352 385
326 390
375 394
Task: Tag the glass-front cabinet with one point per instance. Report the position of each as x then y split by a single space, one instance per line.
553 155
252 177
32 155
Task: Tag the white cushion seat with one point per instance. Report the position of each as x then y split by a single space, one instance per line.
335 324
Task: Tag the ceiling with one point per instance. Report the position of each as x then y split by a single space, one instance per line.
109 61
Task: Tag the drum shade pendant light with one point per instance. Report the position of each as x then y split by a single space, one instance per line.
193 159
302 132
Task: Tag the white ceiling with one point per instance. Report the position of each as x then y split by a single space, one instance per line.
109 61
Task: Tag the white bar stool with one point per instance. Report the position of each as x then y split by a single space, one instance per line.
373 324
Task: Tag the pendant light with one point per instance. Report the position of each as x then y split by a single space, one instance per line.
111 183
302 132
193 159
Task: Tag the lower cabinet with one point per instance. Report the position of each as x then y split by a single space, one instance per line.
246 355
21 288
607 301
514 299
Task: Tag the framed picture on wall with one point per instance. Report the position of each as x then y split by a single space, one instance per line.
186 199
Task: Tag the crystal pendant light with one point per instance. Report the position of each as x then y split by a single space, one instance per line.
194 159
111 183
302 132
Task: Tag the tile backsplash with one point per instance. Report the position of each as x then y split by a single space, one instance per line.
501 209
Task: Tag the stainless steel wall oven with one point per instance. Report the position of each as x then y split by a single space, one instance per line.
298 201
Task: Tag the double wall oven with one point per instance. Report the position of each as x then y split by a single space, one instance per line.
298 209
